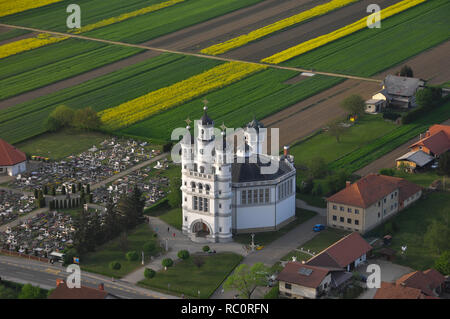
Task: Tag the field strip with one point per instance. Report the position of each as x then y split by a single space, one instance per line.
8 7
339 33
198 55
43 39
239 41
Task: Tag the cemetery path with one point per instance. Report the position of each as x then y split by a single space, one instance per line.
19 220
129 170
175 241
302 204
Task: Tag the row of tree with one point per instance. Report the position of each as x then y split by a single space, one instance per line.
92 229
63 117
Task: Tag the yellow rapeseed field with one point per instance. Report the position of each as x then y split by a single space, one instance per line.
337 34
8 7
144 106
34 43
239 41
28 44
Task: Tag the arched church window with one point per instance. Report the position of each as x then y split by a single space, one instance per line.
200 188
202 169
193 185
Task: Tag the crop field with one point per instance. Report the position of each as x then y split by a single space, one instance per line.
259 95
25 120
364 53
12 33
8 7
47 65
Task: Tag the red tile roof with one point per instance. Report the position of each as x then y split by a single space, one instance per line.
343 252
437 139
389 290
9 155
291 274
372 188
64 292
427 281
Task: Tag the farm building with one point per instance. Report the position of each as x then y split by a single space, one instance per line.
12 160
414 160
397 91
369 201
225 194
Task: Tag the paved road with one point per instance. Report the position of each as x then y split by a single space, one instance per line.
44 275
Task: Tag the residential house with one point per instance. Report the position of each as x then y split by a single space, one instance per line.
390 290
12 160
301 281
347 253
63 292
368 202
397 91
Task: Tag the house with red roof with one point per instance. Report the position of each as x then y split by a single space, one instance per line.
347 253
301 281
62 291
12 160
369 201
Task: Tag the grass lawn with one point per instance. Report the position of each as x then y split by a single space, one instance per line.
172 216
61 144
300 256
186 278
324 239
423 179
266 238
99 260
412 225
312 200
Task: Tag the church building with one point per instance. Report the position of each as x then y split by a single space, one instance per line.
226 192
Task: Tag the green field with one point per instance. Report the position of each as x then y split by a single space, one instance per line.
26 120
184 277
61 144
265 238
12 33
99 260
412 225
371 51
259 95
40 67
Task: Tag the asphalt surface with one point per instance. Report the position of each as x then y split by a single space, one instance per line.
44 275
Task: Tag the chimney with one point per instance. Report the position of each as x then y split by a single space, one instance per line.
286 151
348 183
101 286
59 282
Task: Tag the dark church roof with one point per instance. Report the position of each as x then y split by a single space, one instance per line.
251 172
206 120
255 124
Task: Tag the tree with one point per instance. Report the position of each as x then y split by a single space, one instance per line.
245 279
131 207
442 264
336 129
149 273
115 265
354 104
52 124
30 292
444 163
167 262
436 236
132 255
205 248
63 115
86 119
183 254
174 197
424 98
406 71
318 168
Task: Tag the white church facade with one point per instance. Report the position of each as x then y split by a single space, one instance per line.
226 192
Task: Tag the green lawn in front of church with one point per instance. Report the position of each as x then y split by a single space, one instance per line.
189 277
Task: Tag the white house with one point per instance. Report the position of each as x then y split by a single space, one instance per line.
12 160
225 193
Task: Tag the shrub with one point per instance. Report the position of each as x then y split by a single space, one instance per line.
167 262
115 265
132 255
149 273
391 115
206 248
183 254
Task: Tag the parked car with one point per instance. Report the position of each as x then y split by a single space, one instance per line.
318 227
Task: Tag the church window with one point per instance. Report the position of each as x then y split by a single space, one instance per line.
206 204
243 197
249 196
195 167
200 204
193 186
195 203
220 205
200 188
220 229
202 169
185 199
185 219
261 196
267 195
201 151
255 196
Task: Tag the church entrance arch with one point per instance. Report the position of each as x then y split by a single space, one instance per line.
200 229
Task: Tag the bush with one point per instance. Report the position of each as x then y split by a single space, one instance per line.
132 255
388 115
272 293
387 171
149 273
317 190
307 186
206 249
183 254
115 265
149 247
167 262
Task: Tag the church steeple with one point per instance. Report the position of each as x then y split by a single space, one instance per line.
206 120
